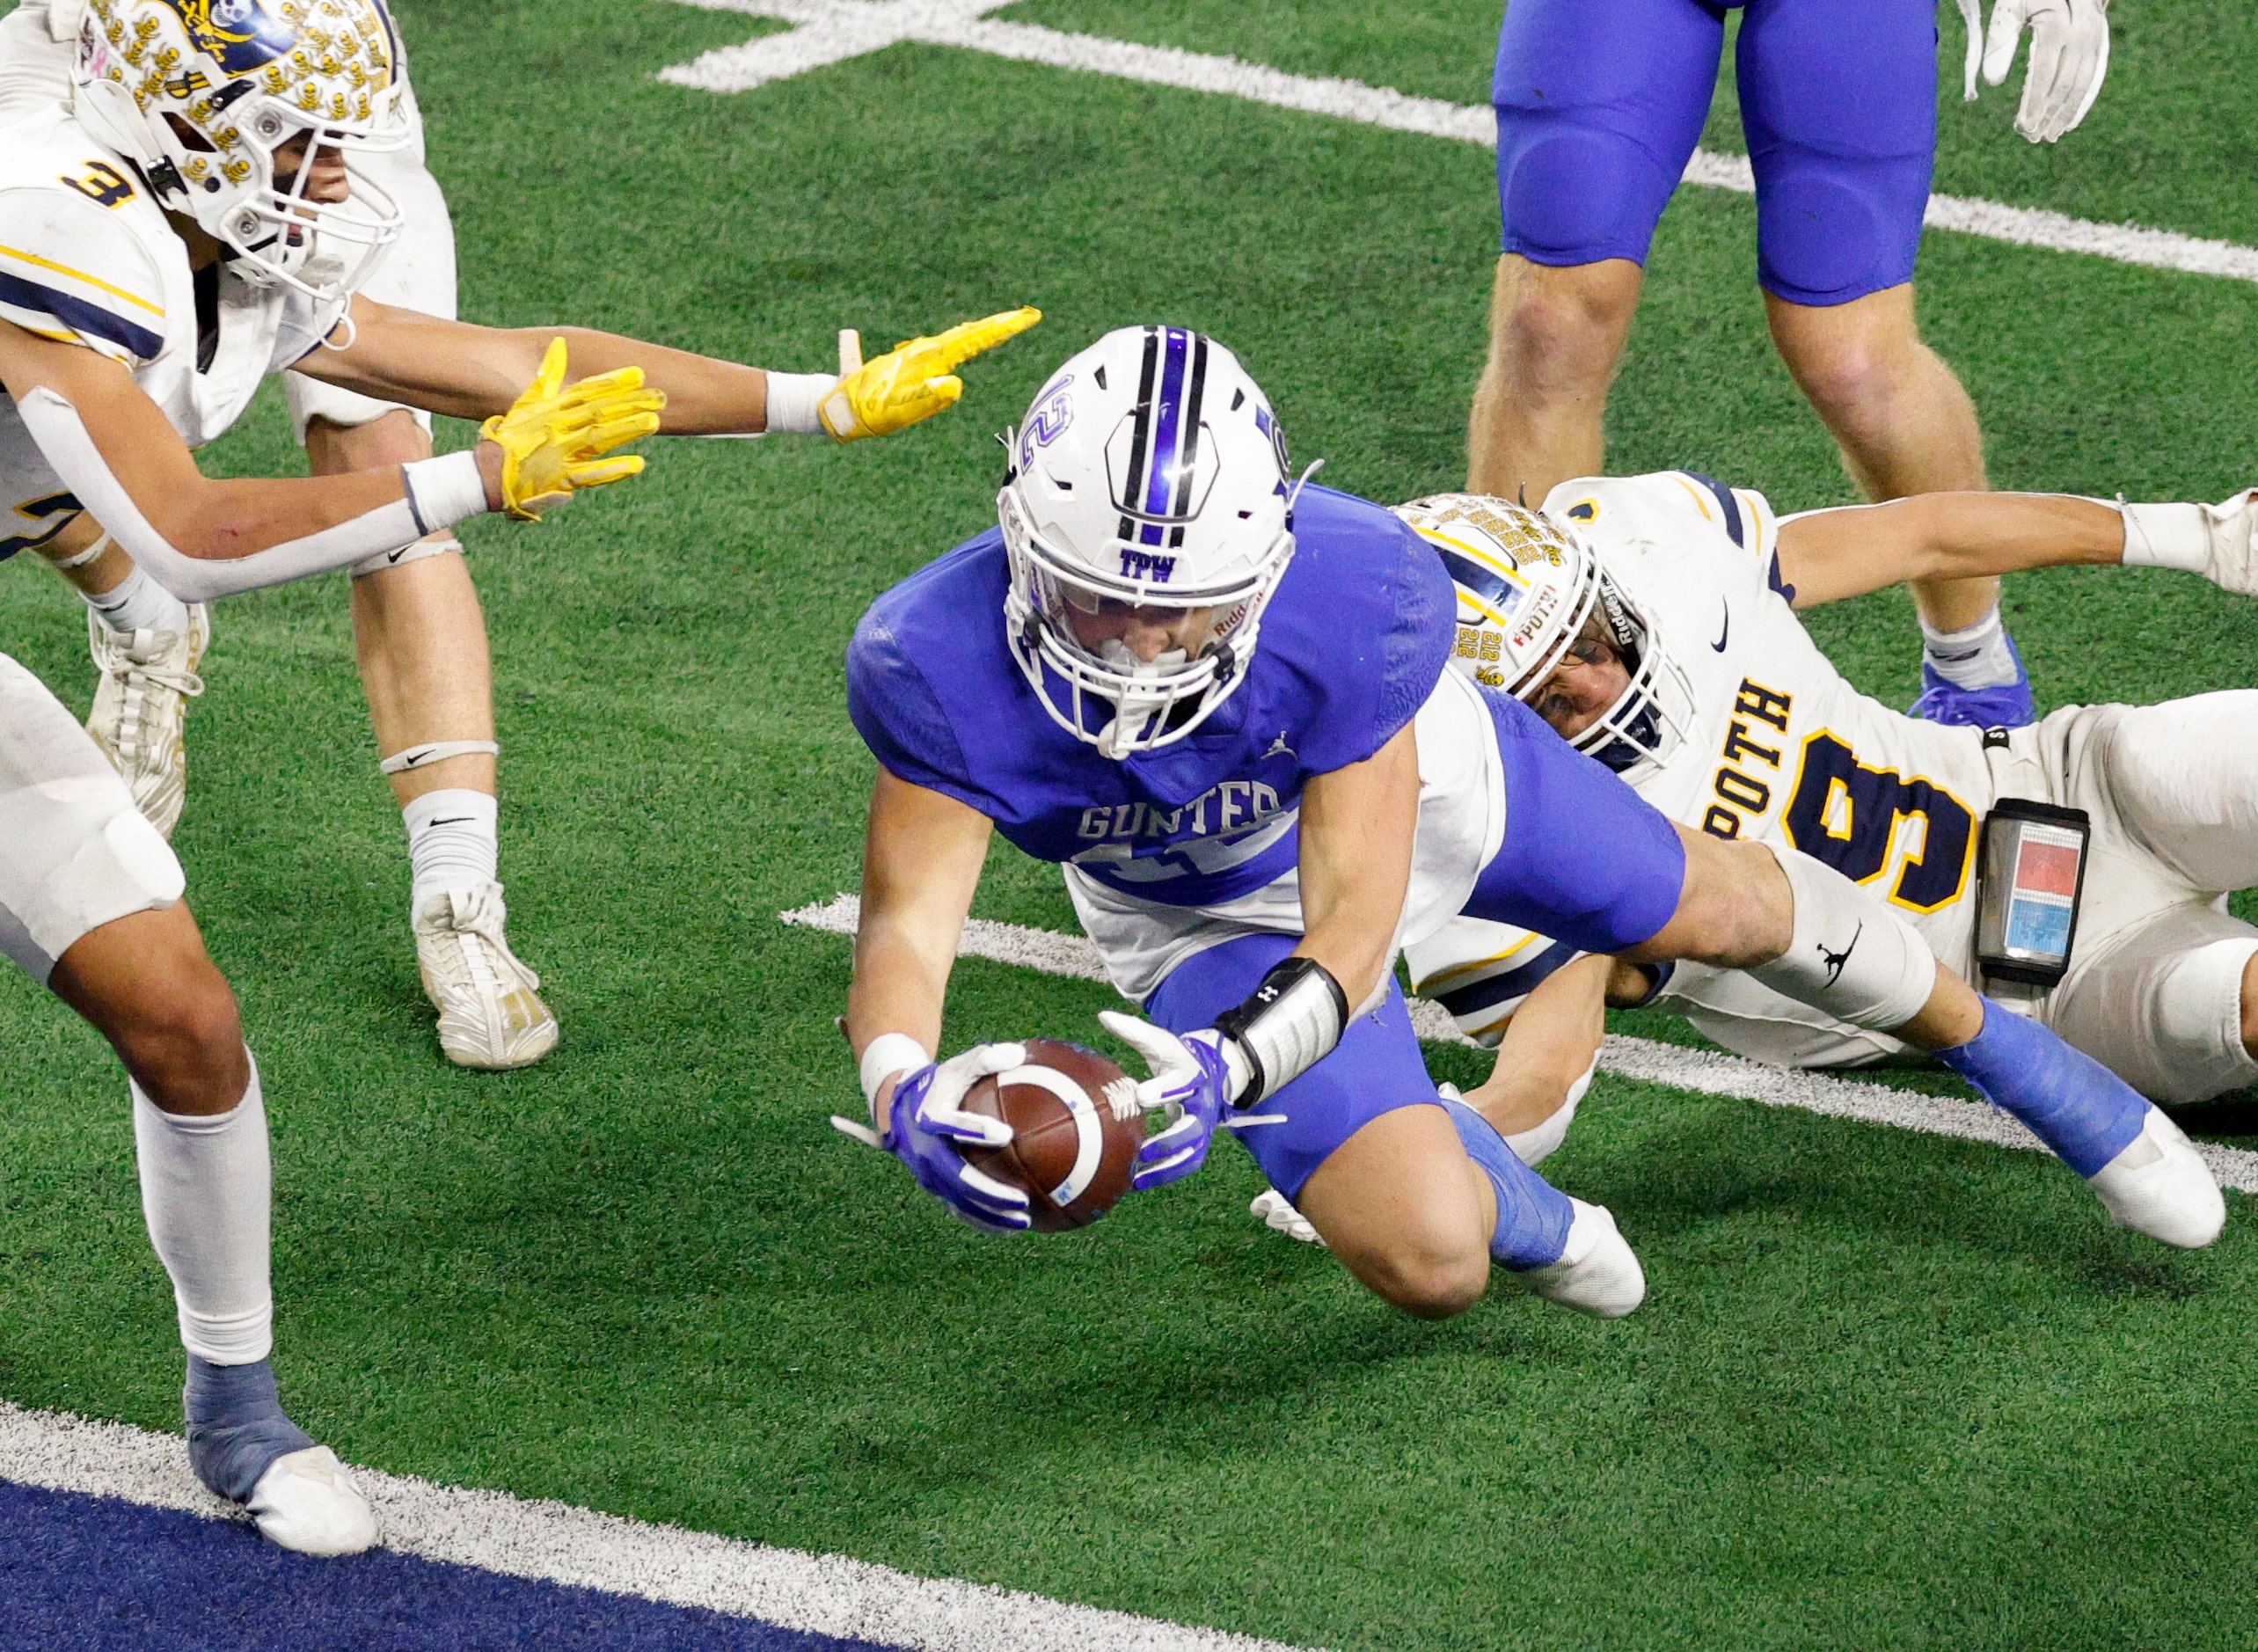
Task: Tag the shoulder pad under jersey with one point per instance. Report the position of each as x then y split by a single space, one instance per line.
1637 503
74 266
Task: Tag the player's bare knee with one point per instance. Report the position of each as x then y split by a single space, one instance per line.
185 1043
1432 1283
1559 332
393 438
1736 909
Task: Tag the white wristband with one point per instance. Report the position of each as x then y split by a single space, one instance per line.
887 1053
2167 537
442 491
792 399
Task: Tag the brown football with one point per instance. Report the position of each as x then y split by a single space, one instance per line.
1076 1128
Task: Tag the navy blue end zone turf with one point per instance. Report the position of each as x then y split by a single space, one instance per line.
94 1572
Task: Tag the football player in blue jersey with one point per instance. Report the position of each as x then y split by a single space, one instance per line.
1217 697
1599 108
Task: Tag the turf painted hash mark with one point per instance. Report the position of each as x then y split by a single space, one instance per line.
834 30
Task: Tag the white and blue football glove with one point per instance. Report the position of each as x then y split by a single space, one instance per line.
1192 1083
2069 59
928 1123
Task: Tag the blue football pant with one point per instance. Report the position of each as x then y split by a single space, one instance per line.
1601 102
1584 859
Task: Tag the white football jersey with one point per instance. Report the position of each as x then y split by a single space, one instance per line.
1782 750
87 256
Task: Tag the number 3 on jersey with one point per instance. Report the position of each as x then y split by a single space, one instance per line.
103 182
1847 815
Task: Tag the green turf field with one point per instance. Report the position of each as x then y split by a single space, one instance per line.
1888 1390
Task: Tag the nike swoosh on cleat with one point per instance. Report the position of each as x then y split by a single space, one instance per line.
1719 644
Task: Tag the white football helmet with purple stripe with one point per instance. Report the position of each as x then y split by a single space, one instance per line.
1148 473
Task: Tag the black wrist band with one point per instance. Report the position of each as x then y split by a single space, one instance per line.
1294 1018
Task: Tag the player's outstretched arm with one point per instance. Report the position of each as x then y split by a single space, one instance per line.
1356 829
1827 555
1357 824
922 858
202 537
471 372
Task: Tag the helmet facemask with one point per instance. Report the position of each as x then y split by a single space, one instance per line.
1653 715
1529 588
1122 703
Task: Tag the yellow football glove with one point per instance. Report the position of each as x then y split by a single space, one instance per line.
914 380
552 439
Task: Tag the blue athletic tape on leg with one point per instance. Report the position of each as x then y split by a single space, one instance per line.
2072 1103
236 1425
1533 1216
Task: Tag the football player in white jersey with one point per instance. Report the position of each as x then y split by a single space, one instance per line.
1652 621
187 228
421 637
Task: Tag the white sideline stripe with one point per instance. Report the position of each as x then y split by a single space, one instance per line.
1710 1073
833 30
557 1543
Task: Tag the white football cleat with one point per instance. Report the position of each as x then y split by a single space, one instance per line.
1598 1273
490 1010
1278 1213
306 1502
140 708
2159 1186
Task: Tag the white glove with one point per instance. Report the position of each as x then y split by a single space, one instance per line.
2069 59
1278 1215
2213 540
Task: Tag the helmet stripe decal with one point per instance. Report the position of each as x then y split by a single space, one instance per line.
1188 466
1465 571
1162 463
1140 432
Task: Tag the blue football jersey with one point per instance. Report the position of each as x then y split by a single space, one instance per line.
1350 647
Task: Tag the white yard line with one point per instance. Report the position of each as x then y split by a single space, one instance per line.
555 1542
833 31
1708 1072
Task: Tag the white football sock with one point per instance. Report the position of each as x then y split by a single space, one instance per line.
1976 658
452 841
138 602
1536 1145
205 1190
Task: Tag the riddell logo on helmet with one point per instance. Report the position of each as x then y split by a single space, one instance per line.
1142 565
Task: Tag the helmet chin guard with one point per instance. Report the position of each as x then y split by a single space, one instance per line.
1528 585
1148 473
200 95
